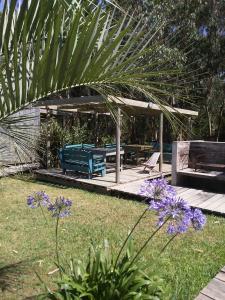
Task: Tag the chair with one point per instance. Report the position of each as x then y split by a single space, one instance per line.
151 163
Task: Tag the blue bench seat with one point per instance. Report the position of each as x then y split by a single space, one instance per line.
81 160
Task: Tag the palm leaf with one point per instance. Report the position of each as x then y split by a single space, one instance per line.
52 46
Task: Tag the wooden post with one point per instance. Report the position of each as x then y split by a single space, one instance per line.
174 163
118 147
161 143
48 146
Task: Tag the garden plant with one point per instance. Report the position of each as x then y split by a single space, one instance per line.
108 275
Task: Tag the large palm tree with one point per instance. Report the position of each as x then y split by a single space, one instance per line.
52 46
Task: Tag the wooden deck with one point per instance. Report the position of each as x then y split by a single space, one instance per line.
131 180
207 201
215 289
128 175
15 169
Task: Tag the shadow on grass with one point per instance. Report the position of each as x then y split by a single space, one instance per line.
11 275
32 178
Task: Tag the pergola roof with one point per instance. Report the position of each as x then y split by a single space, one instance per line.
99 104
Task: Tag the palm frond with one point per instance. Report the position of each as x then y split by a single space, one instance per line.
46 47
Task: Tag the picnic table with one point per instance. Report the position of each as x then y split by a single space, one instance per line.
137 150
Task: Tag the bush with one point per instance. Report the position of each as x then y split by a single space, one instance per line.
101 279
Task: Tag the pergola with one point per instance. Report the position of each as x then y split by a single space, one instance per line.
98 104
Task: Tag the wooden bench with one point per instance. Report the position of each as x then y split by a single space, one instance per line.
210 166
83 161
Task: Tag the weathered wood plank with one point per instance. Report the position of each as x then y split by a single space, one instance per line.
217 206
203 297
188 193
213 202
221 276
182 190
202 198
215 289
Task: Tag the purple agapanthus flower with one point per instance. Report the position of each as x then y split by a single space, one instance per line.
37 199
61 207
157 189
178 215
175 211
198 219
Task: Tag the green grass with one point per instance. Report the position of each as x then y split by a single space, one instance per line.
187 265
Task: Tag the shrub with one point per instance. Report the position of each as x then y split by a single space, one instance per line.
122 278
101 279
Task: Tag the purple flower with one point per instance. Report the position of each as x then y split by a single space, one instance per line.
157 189
176 212
61 207
198 219
37 199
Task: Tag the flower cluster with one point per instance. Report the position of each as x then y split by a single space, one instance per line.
157 189
178 215
173 211
37 199
60 208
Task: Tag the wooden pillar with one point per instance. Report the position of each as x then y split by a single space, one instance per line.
118 133
161 143
48 146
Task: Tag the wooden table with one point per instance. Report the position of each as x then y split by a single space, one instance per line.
137 149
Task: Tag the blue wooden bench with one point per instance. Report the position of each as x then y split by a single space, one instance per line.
83 161
80 146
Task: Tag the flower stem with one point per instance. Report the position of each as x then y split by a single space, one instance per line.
57 245
146 242
128 236
167 244
43 214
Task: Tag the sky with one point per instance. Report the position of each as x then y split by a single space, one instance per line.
3 1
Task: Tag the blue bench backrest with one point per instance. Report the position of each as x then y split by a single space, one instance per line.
86 146
110 145
76 155
77 146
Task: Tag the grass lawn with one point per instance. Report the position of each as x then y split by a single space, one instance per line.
187 265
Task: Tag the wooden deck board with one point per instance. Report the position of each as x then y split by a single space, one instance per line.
221 276
131 180
215 289
129 174
203 297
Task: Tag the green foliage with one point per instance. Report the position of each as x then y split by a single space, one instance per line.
100 280
58 136
197 26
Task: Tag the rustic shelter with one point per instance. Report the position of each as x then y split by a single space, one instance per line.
98 104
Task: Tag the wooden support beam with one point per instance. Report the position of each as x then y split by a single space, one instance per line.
118 134
48 146
70 101
136 106
161 143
